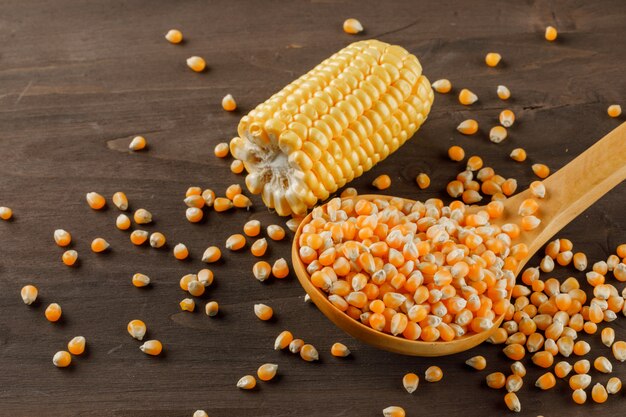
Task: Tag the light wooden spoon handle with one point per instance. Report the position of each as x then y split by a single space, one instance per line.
576 186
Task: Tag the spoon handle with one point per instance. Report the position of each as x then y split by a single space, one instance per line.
576 186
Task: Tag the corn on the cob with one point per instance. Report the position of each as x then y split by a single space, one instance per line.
332 124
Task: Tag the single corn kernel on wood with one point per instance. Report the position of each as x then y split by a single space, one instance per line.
518 155
194 190
503 92
497 134
507 118
614 385
62 359
252 228
99 245
495 380
69 257
263 312
410 382
551 33
211 254
607 336
619 350
196 288
283 340
95 200
196 63
120 201
233 190
614 110
6 213
29 294
123 222
235 242
280 269
53 312
157 240
152 347
142 216
62 238
468 127
246 382
237 166
229 103
275 232
492 59
261 270
205 276
518 369
474 163
541 170
433 374
194 214
212 308
221 150
180 252
352 26
394 411
456 153
477 362
467 97
546 381
200 413
195 201
259 247
382 182
76 346
295 345
603 365
140 280
242 201
267 372
339 350
422 180
513 383
174 36
186 280
187 304
138 143
309 353
599 394
579 396
222 204
137 329
562 369
442 86
512 402
293 164
139 237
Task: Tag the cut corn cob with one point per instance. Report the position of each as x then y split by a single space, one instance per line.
332 124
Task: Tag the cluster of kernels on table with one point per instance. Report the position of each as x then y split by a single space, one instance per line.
547 317
196 199
285 340
476 179
416 270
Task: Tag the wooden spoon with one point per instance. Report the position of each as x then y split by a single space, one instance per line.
570 191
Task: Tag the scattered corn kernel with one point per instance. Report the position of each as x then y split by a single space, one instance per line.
477 362
246 382
608 336
619 350
53 312
518 154
76 346
140 280
99 245
29 294
151 347
541 170
579 381
551 33
507 118
309 353
283 340
229 103
196 288
221 150
503 92
69 257
193 191
211 254
410 382
468 127
466 97
139 237
233 190
263 312
212 308
546 381
120 201
209 197
200 413
222 204
187 304
62 238
122 222
579 396
267 372
513 383
275 232
236 167
196 63
180 251
474 163
62 359
598 393
242 201
252 228
433 374
95 200
280 269
382 182
394 411
340 350
442 86
423 180
614 110
495 380
259 247
261 270
157 240
512 402
142 216
194 214
456 153
352 26
235 242
497 134
137 329
296 345
138 143
205 276
5 213
614 385
174 36
562 369
492 59
603 365
195 201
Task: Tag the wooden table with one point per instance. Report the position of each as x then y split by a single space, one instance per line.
79 79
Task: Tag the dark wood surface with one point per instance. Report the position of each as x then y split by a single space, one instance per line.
79 79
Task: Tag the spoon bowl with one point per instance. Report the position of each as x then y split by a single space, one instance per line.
569 191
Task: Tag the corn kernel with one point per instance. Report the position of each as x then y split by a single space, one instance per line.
138 143
261 270
492 59
69 257
246 382
382 182
139 237
53 312
200 413
474 163
541 170
619 350
222 204
433 374
614 110
456 153
196 63
598 393
603 365
221 150
296 345
62 238
267 372
196 288
157 240
62 359
235 242
477 362
518 154
137 329
280 269
76 346
503 92
466 97
512 402
309 353
263 312
193 191
95 200
352 26
122 222
275 232
151 347
242 201
579 396
442 86
5 213
283 340
394 411
340 350
259 247
174 36
423 180
205 276
468 127
187 304
229 103
507 118
410 382
551 33
29 294
211 254
614 385
212 308
140 280
194 201
497 134
180 252
252 228
546 381
120 201
142 216
236 167
194 214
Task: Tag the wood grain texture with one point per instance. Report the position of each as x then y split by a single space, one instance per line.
79 79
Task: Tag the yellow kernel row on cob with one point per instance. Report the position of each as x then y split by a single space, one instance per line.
332 124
